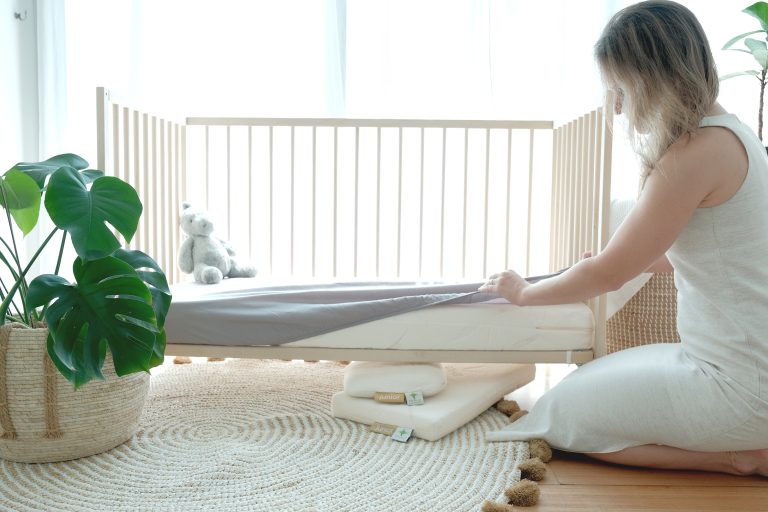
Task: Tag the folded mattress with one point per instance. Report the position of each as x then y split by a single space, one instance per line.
369 315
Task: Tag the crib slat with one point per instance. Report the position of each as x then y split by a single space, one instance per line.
530 205
443 149
314 201
357 198
229 183
378 201
145 181
421 203
399 197
485 199
335 199
292 199
159 206
155 189
579 194
464 204
271 197
508 201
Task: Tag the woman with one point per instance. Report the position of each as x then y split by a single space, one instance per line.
703 210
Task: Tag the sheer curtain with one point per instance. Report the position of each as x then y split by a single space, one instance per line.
358 58
51 119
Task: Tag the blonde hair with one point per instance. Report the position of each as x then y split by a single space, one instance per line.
658 56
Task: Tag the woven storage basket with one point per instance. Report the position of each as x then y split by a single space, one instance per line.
650 316
44 419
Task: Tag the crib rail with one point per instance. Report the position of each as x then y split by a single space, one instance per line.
427 199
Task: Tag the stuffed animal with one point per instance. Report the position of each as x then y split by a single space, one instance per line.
208 258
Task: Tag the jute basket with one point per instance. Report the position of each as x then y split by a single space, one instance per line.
44 419
650 316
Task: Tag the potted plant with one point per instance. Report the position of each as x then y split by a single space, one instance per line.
75 357
759 50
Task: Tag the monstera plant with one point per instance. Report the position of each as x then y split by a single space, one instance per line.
119 298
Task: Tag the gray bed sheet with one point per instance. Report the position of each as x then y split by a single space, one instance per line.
250 312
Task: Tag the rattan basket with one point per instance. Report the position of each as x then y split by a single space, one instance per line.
650 316
44 419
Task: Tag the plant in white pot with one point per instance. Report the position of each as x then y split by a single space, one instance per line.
75 357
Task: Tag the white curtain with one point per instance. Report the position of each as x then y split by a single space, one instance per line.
51 120
356 58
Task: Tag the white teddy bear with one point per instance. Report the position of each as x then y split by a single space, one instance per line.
208 258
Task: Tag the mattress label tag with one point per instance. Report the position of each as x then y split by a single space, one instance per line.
389 398
382 428
402 434
414 398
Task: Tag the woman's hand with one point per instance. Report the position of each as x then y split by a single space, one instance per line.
507 284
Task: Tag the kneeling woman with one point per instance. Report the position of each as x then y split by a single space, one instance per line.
701 404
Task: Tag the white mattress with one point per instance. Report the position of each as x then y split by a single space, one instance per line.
494 325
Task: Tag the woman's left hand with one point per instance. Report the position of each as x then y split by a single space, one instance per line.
507 284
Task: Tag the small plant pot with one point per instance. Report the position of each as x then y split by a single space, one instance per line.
44 419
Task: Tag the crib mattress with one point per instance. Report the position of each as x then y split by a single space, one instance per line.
493 325
485 325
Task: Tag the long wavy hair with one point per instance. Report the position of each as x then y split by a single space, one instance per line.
656 58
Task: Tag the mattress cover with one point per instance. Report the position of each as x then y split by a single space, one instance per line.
416 316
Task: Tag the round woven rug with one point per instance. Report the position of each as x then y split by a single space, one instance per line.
258 435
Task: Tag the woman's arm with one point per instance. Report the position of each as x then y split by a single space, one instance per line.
687 174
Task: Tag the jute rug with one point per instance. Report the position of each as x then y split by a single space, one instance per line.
258 435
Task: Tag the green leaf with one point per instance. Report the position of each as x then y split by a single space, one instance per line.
750 72
152 275
39 171
110 306
90 175
731 42
759 51
158 351
23 199
760 11
84 213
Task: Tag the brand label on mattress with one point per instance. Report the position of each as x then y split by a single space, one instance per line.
402 434
414 398
382 428
389 398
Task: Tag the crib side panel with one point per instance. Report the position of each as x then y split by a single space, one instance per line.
149 152
356 198
581 198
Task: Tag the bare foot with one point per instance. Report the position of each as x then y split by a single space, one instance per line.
751 462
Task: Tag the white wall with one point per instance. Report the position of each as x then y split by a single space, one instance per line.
18 87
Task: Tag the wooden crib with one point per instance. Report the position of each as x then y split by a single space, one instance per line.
434 200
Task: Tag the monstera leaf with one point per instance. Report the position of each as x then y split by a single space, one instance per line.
21 196
109 306
88 214
39 171
152 275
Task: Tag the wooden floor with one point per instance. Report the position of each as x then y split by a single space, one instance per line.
575 482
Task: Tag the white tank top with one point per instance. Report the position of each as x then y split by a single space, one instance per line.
721 273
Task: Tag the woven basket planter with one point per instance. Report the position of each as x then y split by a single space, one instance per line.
650 316
44 419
